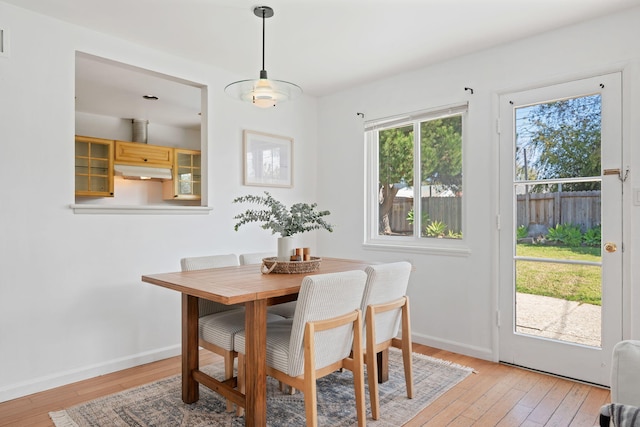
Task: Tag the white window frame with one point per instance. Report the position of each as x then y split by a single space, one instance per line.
414 243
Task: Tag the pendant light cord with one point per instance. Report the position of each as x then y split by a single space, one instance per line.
263 18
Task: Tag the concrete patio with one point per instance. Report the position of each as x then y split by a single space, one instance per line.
558 319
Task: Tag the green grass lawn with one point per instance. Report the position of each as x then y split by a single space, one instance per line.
570 282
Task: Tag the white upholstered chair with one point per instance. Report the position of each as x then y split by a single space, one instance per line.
625 373
624 409
254 257
206 307
386 306
325 335
218 323
286 309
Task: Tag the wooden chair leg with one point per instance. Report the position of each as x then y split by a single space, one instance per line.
372 372
310 400
358 386
372 363
241 382
286 388
406 349
228 373
408 371
309 381
383 366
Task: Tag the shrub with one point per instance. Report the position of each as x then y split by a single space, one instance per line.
593 236
453 235
522 232
436 229
566 234
425 220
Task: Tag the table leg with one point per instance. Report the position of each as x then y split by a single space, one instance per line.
383 366
190 359
256 363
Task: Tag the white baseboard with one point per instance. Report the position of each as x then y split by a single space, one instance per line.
47 382
455 347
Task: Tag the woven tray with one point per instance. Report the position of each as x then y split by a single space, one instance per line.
272 265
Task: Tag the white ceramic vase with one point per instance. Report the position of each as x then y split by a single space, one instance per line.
285 248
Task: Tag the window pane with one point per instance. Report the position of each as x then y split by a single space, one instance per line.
82 166
82 183
395 173
441 172
563 288
559 139
556 214
184 159
185 187
99 167
82 149
99 150
98 184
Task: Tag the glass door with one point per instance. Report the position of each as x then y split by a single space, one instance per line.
561 227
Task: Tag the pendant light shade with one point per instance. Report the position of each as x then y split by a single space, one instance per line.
263 92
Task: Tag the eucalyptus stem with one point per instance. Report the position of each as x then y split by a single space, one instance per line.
299 218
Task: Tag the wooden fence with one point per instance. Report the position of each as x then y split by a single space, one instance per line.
445 209
545 210
566 207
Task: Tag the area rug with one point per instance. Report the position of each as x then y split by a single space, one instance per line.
159 403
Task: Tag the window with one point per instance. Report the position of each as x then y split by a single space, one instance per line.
415 157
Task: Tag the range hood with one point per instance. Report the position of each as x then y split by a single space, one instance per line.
142 172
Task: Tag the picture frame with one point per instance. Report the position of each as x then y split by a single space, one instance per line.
268 159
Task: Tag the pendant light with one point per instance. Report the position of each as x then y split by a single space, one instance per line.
263 92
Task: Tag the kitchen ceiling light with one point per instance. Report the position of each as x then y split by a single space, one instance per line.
263 92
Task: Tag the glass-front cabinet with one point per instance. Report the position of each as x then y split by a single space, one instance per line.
186 183
93 167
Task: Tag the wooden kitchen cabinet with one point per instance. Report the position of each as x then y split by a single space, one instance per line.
187 175
93 167
139 154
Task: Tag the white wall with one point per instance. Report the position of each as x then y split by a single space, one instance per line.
72 304
454 298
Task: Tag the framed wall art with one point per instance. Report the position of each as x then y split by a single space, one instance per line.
268 159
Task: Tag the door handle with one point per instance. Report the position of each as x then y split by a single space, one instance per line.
610 247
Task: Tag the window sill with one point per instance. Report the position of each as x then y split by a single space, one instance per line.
140 210
459 251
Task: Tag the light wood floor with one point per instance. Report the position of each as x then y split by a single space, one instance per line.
497 395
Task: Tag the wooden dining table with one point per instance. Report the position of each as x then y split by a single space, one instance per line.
245 284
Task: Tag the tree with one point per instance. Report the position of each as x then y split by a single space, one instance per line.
395 166
440 162
562 140
441 152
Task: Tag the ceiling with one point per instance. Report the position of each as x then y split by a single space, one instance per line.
324 46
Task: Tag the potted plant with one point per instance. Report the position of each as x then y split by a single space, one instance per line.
299 218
